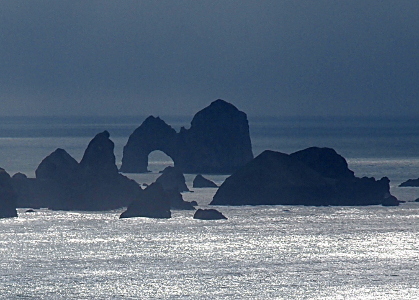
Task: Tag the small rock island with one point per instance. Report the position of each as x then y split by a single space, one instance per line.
314 176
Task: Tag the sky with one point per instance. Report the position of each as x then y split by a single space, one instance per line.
267 57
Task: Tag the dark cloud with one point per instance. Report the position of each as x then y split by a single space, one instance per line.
174 57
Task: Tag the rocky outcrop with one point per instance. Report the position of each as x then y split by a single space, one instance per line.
7 196
173 183
152 203
173 179
321 177
93 184
410 183
202 182
218 141
58 166
325 161
209 214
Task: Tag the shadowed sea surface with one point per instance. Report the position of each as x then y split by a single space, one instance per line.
263 252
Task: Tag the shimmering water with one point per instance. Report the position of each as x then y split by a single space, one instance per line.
265 252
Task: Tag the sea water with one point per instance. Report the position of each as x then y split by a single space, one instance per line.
260 252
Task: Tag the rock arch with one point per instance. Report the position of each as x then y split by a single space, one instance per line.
161 161
153 134
218 141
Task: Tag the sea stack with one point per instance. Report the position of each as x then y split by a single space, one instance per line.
8 196
314 176
218 141
62 183
152 203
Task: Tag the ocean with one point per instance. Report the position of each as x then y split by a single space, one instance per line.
260 252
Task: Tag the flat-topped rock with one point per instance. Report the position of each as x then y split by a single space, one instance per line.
209 214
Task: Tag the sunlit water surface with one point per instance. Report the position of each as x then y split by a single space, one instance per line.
261 252
258 253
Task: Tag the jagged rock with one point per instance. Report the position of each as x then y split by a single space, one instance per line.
218 141
152 203
209 214
8 196
410 183
202 182
93 184
173 179
274 178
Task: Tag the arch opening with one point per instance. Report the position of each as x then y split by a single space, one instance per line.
158 161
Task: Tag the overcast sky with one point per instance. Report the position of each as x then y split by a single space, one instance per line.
268 57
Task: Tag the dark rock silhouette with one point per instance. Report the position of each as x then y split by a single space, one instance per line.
173 179
218 141
202 182
59 166
209 214
325 161
152 203
177 202
93 184
410 183
417 200
173 183
274 178
8 196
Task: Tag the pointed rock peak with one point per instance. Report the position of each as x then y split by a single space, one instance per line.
99 155
58 165
172 179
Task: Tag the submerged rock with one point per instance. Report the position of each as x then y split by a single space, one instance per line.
202 182
8 196
218 141
209 214
152 203
275 178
